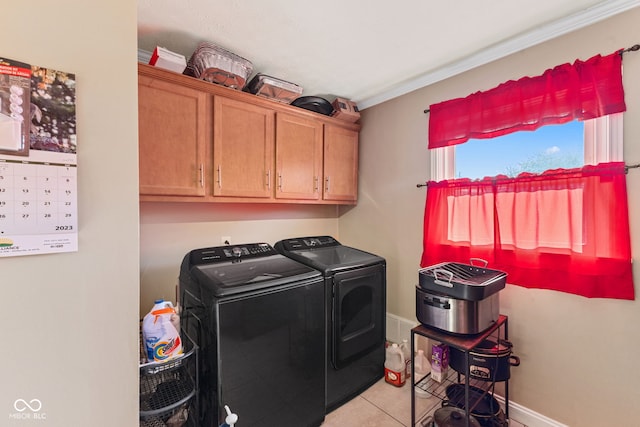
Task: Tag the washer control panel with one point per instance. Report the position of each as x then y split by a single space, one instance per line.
230 253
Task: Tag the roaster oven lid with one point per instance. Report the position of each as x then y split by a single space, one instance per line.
463 281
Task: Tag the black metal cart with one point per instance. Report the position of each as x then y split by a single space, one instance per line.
465 344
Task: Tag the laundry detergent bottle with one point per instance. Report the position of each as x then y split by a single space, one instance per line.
161 338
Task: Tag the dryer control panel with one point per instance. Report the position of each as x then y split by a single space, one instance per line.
309 243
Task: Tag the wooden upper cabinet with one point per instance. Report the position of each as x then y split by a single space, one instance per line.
172 138
340 164
207 143
298 158
243 147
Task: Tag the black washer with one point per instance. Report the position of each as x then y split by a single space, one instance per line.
258 318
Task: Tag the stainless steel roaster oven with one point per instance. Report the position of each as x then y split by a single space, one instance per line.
459 298
259 320
355 293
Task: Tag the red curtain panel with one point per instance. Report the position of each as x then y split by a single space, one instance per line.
565 229
579 91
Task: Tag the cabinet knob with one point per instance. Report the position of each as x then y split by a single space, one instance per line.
219 170
315 184
269 179
326 185
280 181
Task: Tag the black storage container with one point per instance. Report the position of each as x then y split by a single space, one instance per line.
489 361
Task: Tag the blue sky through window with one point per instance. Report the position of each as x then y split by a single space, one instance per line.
548 147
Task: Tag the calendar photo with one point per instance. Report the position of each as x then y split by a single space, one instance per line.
15 83
38 191
53 110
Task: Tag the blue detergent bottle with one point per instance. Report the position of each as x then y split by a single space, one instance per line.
231 418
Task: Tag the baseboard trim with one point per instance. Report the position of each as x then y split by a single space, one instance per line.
527 416
399 328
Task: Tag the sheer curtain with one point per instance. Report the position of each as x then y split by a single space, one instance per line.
566 230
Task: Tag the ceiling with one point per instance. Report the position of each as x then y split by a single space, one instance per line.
368 51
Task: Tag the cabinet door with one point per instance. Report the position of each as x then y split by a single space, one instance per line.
243 146
298 157
340 164
172 138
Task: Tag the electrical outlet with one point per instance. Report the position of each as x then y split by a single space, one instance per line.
225 240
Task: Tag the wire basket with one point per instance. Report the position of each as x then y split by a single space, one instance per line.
167 389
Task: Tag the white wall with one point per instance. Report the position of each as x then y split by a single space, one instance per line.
168 231
579 356
69 321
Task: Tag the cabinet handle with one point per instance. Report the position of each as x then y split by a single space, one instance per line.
201 175
326 185
315 184
269 179
280 181
219 170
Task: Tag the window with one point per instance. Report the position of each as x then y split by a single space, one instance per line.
549 147
568 145
554 218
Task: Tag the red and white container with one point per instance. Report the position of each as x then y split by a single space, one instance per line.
394 366
164 58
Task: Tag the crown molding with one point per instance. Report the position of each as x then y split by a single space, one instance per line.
541 34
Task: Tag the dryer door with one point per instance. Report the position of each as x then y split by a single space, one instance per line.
358 312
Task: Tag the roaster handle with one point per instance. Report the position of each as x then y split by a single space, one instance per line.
478 260
448 283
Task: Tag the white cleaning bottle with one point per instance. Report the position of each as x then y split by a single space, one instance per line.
394 366
406 352
421 364
161 338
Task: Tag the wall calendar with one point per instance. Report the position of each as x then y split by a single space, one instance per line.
38 164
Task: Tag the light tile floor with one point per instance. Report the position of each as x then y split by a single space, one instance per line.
384 405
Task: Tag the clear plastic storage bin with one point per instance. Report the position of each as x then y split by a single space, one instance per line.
273 88
217 65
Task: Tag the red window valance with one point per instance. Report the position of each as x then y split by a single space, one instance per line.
582 90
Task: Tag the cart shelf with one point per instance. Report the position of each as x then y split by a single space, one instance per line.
465 344
439 389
